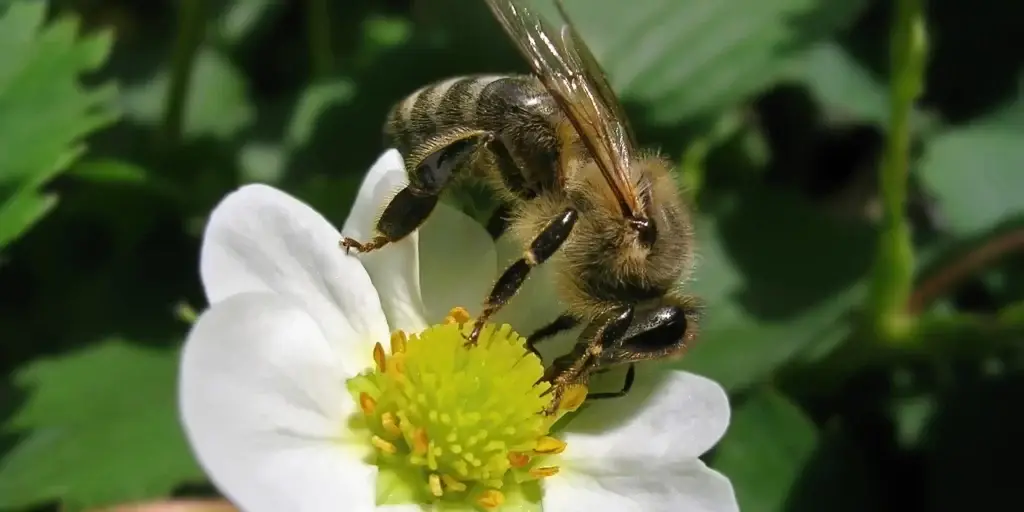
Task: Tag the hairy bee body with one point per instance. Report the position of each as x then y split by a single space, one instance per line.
576 192
516 108
602 263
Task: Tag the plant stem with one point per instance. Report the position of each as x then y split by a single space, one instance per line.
191 28
318 17
894 264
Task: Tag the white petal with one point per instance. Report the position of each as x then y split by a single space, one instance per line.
449 261
536 304
676 419
395 268
644 486
260 239
264 405
458 263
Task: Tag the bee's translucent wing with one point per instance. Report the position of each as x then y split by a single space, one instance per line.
573 77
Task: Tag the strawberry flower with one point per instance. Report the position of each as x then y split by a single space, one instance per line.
320 381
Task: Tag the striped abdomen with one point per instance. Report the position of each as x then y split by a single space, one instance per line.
516 108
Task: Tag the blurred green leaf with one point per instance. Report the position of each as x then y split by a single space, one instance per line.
218 104
777 277
19 213
768 443
44 111
100 427
107 170
681 59
976 173
311 105
778 460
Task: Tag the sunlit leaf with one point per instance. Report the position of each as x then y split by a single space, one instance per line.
99 426
685 58
976 173
776 277
44 109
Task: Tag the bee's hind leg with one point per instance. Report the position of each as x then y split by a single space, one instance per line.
431 168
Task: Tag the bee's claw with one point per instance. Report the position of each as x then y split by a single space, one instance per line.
351 243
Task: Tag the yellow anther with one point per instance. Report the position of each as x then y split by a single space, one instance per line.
491 499
453 484
383 445
573 397
379 358
457 315
398 342
420 443
435 486
518 459
367 403
548 445
390 424
544 471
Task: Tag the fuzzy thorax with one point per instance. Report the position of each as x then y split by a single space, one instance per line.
464 421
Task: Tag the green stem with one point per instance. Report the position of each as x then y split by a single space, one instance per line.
191 28
318 17
892 277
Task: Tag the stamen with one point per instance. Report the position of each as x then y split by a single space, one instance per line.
491 499
390 424
379 358
398 342
435 485
518 459
548 445
544 471
367 403
461 423
457 315
420 442
452 483
573 397
383 445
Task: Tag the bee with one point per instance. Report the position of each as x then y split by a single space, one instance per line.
574 188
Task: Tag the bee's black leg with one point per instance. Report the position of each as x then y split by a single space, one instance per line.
562 323
498 222
543 247
626 386
430 169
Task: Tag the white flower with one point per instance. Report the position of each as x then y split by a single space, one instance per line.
292 318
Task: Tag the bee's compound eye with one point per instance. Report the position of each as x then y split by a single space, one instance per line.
662 329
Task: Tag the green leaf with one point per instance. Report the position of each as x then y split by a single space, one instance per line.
681 59
44 110
100 427
778 461
217 105
976 173
19 213
776 277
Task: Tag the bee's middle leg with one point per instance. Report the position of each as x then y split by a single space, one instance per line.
626 386
561 324
430 170
543 246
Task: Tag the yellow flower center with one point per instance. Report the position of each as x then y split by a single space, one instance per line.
464 421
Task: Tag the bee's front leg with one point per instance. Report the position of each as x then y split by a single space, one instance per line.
431 167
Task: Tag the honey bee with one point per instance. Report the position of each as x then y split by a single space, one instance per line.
574 188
